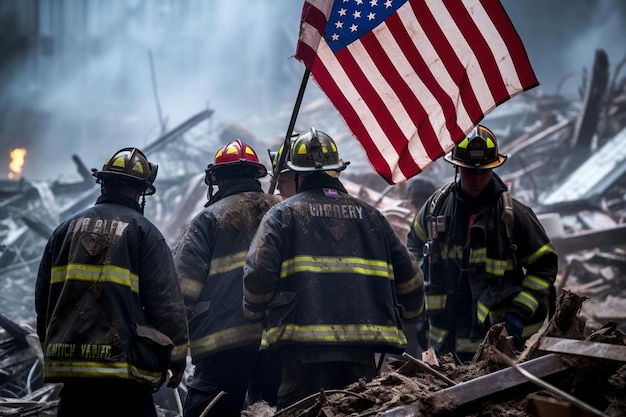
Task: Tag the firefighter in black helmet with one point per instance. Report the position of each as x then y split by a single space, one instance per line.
487 259
110 312
327 274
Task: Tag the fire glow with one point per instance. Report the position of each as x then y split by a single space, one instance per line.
17 162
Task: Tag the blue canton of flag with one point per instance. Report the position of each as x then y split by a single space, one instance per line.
350 19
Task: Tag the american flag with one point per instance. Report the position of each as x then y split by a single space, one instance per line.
412 77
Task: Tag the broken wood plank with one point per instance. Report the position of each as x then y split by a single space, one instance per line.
481 387
583 348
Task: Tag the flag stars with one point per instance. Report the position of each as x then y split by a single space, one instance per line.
373 3
371 16
339 24
342 12
335 37
356 14
388 3
359 2
354 28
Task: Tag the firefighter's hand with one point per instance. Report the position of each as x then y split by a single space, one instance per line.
515 328
174 378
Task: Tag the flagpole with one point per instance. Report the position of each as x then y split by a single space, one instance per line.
287 142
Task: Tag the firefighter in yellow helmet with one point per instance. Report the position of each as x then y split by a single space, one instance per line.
327 274
209 258
287 178
487 259
110 312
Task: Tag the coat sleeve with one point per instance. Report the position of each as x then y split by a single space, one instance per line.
408 277
162 297
42 290
539 259
261 271
192 258
417 235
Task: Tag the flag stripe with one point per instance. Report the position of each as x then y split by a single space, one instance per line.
517 53
408 111
314 17
353 112
413 82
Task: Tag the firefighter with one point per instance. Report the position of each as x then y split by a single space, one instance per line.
487 259
287 178
209 258
110 312
328 275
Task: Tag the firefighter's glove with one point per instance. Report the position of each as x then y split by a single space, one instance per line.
515 328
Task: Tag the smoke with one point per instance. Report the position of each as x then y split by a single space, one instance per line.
561 37
86 85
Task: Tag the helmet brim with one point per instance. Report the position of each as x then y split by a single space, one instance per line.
335 167
100 175
494 164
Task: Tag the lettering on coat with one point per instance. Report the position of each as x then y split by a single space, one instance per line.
86 351
337 211
98 226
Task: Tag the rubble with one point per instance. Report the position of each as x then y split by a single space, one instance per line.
566 161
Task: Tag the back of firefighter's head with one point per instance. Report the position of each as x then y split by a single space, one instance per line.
315 151
127 168
233 160
478 150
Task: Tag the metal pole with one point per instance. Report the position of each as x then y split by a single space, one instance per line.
287 142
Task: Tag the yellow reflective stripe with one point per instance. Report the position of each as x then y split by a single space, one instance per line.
332 264
466 345
65 369
436 302
418 230
535 283
526 299
254 298
191 288
411 285
338 333
547 248
453 252
227 263
531 329
478 256
95 273
251 315
496 266
492 266
228 337
482 311
179 352
437 335
411 314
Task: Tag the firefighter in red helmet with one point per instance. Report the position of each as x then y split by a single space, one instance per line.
209 258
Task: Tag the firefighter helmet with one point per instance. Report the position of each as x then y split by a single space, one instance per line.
129 164
235 159
315 151
479 150
275 155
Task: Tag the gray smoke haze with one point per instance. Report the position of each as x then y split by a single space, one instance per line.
86 88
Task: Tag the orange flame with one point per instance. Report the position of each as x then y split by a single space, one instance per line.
17 162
